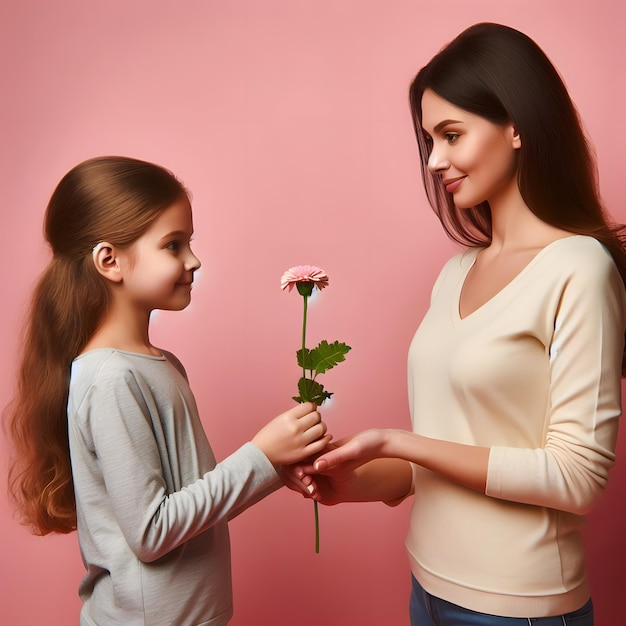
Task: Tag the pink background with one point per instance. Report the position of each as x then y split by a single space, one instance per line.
288 120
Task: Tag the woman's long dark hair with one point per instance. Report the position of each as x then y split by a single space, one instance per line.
502 75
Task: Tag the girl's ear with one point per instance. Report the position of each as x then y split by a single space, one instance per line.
105 260
517 140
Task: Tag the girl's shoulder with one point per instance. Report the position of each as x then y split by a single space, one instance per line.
106 372
113 364
114 356
175 361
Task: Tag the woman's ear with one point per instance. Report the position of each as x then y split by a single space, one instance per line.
105 260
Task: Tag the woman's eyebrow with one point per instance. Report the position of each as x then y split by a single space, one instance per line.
444 123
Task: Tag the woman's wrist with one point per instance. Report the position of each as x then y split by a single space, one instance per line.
393 443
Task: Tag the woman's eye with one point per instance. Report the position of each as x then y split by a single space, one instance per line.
174 246
451 137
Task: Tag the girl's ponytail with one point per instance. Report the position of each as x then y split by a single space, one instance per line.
113 199
62 318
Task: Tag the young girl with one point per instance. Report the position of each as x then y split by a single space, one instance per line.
106 430
515 371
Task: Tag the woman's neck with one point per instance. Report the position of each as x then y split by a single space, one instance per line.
514 226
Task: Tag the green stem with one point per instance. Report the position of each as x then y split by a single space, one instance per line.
315 510
317 528
306 298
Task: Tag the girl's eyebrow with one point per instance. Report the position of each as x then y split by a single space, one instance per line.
174 233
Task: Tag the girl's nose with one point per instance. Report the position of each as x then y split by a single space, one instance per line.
192 262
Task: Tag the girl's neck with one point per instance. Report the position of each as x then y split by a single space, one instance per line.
122 332
97 342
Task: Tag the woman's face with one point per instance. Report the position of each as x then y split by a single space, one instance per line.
475 158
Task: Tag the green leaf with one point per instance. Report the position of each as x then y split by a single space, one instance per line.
311 391
309 359
327 355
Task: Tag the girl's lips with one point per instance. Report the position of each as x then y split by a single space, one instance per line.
453 185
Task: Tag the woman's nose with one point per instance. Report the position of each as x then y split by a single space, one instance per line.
437 161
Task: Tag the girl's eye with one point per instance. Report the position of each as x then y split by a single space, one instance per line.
174 246
451 138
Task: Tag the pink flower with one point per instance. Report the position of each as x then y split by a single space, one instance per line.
304 274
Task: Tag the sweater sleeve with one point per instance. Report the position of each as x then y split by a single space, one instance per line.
571 469
154 512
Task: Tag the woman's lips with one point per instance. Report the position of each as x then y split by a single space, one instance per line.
454 184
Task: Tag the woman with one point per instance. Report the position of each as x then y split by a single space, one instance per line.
515 371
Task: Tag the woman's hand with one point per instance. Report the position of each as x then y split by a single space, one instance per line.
331 488
305 480
351 452
376 465
349 470
293 436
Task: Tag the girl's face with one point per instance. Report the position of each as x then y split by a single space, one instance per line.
475 158
158 267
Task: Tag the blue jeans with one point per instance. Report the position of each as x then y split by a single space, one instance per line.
426 610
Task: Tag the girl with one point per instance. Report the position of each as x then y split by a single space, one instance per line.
514 373
106 430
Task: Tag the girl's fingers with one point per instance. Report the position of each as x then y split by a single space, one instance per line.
316 431
309 419
318 444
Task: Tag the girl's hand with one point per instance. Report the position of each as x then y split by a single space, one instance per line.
294 477
301 476
293 436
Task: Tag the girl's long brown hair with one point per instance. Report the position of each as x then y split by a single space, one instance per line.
112 199
502 75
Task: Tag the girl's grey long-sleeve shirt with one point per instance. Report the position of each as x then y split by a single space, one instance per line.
152 502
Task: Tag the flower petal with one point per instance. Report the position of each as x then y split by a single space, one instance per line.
304 273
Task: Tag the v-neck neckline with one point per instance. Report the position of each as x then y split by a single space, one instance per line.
496 296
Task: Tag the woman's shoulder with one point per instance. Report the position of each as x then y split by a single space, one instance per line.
582 267
461 261
577 242
579 253
453 270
